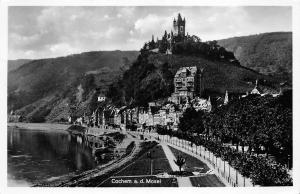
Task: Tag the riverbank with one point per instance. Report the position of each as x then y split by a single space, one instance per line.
98 176
40 126
124 143
131 146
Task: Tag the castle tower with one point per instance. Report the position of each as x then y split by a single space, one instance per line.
179 26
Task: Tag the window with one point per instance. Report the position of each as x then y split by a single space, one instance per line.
190 79
181 28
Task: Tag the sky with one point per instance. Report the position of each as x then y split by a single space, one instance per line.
43 32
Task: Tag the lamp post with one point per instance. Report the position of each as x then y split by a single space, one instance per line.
149 155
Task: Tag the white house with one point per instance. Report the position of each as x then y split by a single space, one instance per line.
101 98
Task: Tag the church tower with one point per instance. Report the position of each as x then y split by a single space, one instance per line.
179 26
226 98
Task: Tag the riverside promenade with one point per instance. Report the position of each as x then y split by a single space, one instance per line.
182 181
227 174
209 179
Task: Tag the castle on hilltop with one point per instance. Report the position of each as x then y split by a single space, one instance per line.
164 45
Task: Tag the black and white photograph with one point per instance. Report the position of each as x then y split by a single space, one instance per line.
149 96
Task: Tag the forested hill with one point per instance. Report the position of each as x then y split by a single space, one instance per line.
51 89
45 89
15 64
267 53
151 78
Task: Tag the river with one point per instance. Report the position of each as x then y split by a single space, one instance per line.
40 154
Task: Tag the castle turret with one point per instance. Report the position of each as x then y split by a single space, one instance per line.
179 27
179 18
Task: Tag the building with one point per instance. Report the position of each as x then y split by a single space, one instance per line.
256 89
101 98
177 34
179 28
185 83
12 117
201 104
264 91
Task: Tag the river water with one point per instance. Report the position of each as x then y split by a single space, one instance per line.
35 155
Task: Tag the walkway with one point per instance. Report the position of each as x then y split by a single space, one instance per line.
199 158
182 181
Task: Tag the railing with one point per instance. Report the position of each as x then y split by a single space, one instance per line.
221 167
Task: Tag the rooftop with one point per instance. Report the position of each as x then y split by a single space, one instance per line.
190 71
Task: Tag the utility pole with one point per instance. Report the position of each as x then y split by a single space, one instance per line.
150 157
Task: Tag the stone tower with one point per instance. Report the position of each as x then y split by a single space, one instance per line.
179 27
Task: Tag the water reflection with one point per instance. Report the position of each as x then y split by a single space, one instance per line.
40 154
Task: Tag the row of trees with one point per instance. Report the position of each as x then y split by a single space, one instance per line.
210 50
262 124
261 170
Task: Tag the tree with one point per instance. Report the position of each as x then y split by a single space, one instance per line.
180 161
163 46
192 121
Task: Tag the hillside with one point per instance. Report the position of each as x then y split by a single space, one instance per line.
267 53
15 64
48 88
151 78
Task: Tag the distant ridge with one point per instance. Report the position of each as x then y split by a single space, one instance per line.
49 87
268 53
15 64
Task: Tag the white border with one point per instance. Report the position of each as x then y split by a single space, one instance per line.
3 60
